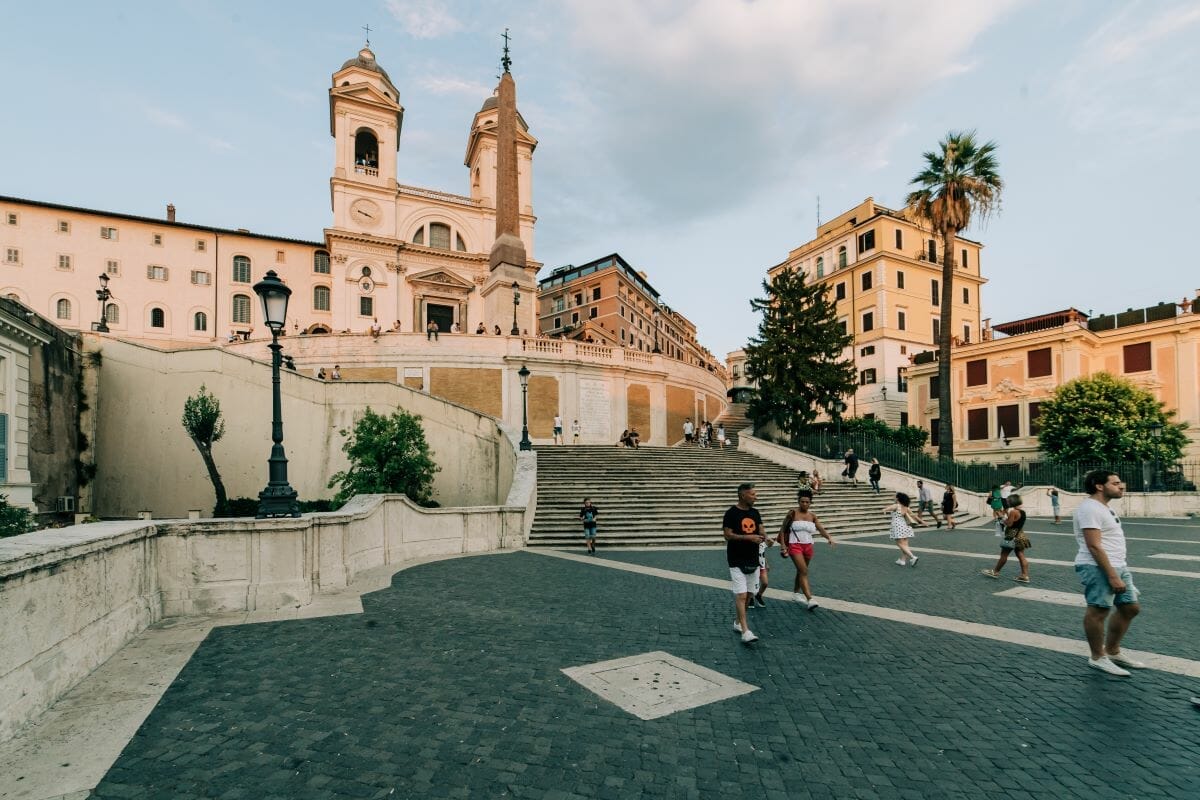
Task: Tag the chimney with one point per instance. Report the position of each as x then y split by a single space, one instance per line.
170 212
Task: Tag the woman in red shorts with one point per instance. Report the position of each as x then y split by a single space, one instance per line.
796 543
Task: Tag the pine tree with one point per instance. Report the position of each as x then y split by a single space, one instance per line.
798 357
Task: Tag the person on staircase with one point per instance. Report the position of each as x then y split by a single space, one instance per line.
874 474
796 543
587 515
851 462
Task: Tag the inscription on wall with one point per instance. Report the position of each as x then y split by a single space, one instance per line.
595 409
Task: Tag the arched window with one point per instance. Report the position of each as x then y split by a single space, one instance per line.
321 262
158 318
820 267
461 246
320 298
366 153
112 314
842 257
241 309
241 269
62 309
200 321
439 236
419 236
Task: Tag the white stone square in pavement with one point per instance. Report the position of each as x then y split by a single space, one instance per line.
653 685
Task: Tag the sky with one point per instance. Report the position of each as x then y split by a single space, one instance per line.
696 139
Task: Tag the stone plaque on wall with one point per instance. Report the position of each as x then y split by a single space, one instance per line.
595 410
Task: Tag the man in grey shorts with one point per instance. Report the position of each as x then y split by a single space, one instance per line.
1104 573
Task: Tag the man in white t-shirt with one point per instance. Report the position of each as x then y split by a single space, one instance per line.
558 432
1104 573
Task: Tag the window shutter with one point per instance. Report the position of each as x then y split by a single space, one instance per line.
150 271
3 448
166 273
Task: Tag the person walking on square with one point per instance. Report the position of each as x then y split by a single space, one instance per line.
575 431
874 474
587 515
558 429
902 528
925 503
689 430
764 570
995 503
796 542
949 505
851 462
1014 541
1054 505
1006 490
1104 573
743 530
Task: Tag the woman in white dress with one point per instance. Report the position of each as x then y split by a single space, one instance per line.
901 531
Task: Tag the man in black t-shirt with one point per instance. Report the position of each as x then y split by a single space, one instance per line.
587 515
851 462
743 531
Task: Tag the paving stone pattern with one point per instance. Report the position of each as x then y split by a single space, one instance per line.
449 685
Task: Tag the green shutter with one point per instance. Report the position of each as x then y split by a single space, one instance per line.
3 448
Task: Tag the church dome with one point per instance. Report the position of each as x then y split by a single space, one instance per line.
366 60
489 104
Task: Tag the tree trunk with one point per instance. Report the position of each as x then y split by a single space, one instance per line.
214 476
945 410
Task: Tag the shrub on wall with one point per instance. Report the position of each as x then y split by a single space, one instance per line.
15 520
388 455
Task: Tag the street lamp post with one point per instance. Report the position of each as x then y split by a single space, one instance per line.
103 295
516 331
839 408
279 498
1156 434
523 374
656 318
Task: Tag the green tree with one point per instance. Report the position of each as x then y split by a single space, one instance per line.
798 356
15 520
388 455
1106 419
203 423
960 183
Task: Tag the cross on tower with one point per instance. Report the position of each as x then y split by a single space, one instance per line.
505 61
367 28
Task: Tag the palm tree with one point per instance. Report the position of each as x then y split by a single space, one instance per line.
959 184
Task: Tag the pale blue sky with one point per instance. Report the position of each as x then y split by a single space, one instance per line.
691 137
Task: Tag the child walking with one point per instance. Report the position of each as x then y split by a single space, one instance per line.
902 528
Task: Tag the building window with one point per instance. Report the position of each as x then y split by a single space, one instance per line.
12 218
935 296
866 241
899 239
977 424
899 279
64 226
839 291
966 334
157 238
901 379
439 236
937 330
820 267
903 419
1039 363
842 326
108 233
419 236
560 304
366 306
866 281
320 298
241 269
459 244
622 334
841 254
578 298
557 323
931 250
112 313
12 255
64 262
935 432
279 256
157 273
869 350
112 267
321 262
200 321
1137 357
574 317
201 277
595 293
964 258
868 321
935 386
201 245
241 309
1035 421
62 309
158 318
867 376
977 372
966 296
1008 421
592 312
901 321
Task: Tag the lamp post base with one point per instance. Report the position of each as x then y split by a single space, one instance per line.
278 501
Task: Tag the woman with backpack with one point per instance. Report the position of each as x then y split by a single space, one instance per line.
874 474
1014 540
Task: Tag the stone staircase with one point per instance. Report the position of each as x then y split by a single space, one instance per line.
664 496
734 419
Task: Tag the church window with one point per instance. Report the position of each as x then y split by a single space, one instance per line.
241 269
200 321
62 309
419 236
366 153
241 309
439 236
321 262
320 298
459 244
112 313
158 318
841 254
366 306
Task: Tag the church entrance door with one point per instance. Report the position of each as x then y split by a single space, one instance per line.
442 315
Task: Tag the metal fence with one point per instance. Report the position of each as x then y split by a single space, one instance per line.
1139 476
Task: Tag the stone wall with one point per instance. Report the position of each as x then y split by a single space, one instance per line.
475 388
638 403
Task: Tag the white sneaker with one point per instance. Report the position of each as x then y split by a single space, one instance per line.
812 603
1129 663
798 598
901 562
1103 664
913 563
749 637
737 627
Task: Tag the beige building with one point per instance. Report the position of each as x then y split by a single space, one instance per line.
884 273
999 384
393 252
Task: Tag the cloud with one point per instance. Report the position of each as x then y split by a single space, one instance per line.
1123 38
424 19
165 119
446 84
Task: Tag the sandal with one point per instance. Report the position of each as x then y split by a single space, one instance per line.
991 573
1022 579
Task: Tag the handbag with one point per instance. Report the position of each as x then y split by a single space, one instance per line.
1021 541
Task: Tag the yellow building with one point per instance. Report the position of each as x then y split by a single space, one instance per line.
999 384
884 273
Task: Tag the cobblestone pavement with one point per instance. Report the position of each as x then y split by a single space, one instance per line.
450 685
